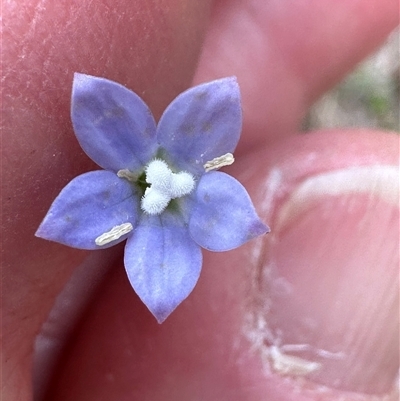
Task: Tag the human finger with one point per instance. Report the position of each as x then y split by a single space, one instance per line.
305 313
287 53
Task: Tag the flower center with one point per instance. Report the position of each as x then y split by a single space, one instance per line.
164 186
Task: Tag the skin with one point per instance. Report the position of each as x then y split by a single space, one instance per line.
337 254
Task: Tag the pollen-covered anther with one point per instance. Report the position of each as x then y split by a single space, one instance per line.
225 160
114 234
128 175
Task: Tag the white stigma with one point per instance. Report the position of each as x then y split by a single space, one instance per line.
159 175
154 201
165 186
181 184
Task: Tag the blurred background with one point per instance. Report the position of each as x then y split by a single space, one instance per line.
369 97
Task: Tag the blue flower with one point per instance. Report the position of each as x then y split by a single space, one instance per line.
159 188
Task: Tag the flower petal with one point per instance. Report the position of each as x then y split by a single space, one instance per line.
200 124
163 263
90 205
113 125
223 216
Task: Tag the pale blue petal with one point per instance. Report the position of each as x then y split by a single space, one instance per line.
223 216
200 124
163 263
89 206
113 125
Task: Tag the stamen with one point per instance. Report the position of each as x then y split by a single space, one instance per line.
125 173
218 162
115 233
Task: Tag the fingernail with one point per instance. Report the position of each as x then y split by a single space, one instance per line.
331 281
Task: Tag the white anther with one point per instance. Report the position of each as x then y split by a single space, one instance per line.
114 234
128 175
154 201
218 162
181 184
159 175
